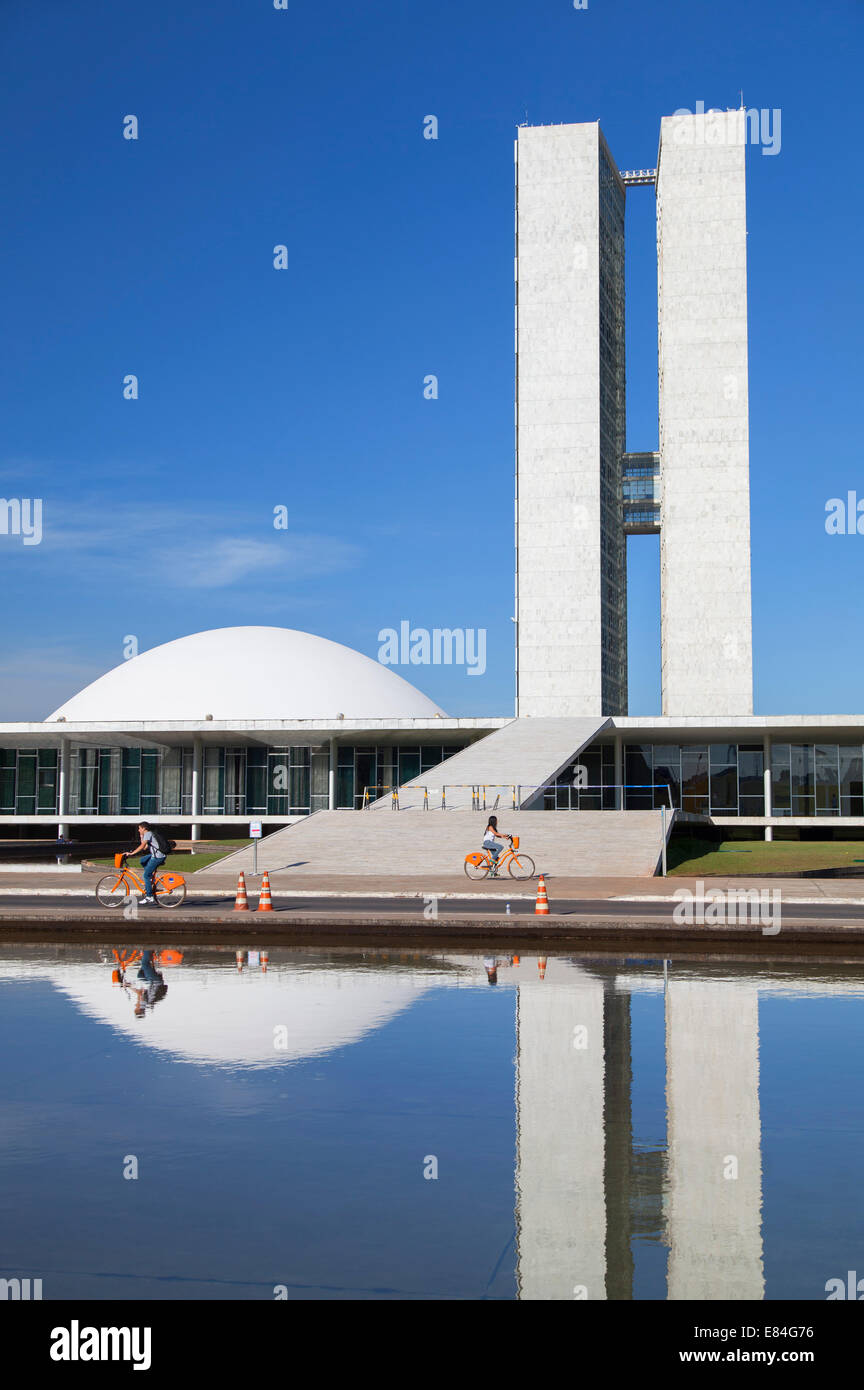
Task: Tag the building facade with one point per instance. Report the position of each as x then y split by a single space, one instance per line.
579 491
571 580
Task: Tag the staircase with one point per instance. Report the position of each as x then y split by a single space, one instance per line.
375 842
521 757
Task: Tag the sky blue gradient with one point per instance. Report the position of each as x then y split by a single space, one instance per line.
304 387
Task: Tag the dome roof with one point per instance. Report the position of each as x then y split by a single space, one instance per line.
247 673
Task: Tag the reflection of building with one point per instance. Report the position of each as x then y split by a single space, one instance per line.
714 1141
219 1018
561 1099
589 1191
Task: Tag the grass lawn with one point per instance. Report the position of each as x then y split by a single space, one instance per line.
185 863
703 858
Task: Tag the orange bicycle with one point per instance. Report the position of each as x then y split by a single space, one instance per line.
480 864
113 890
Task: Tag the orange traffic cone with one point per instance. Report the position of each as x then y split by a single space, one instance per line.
238 956
542 905
541 966
241 902
265 902
265 961
516 960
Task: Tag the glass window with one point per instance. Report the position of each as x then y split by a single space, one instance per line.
88 777
781 779
345 785
278 781
214 780
256 781
751 781
8 759
26 788
827 783
639 776
694 780
150 781
46 794
107 775
172 765
409 764
723 759
849 767
667 773
130 782
803 799
320 780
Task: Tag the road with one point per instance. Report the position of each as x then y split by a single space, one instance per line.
610 908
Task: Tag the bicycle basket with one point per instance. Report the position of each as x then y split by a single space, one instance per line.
515 841
118 861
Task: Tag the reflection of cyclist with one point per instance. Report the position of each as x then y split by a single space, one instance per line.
151 990
491 837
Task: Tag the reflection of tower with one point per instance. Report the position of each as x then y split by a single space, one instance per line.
574 1137
713 1138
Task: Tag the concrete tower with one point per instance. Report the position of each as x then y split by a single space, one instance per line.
571 586
578 492
707 660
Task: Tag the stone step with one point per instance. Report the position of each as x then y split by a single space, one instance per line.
578 843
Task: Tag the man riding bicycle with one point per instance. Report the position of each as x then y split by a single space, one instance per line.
152 858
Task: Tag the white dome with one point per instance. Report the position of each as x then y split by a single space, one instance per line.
246 673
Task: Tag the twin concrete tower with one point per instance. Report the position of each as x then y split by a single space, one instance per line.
579 491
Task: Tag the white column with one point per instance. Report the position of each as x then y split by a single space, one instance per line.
63 789
766 747
714 1156
197 779
619 772
704 431
331 779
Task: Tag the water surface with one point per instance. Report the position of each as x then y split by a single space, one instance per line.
380 1125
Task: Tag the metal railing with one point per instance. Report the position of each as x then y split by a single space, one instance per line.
478 793
518 791
394 795
599 787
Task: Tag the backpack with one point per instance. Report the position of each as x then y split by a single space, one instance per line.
164 845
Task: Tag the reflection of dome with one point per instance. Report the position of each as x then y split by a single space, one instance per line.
217 1017
248 673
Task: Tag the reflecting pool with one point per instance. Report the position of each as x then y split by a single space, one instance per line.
221 1124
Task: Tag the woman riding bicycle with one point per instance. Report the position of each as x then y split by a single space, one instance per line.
491 837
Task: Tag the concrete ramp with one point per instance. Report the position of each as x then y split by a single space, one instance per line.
562 843
525 754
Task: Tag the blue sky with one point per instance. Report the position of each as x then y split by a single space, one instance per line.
303 388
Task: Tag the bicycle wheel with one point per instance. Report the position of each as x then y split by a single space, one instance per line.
113 890
521 866
477 869
171 896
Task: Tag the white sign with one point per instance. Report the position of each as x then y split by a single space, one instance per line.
255 830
